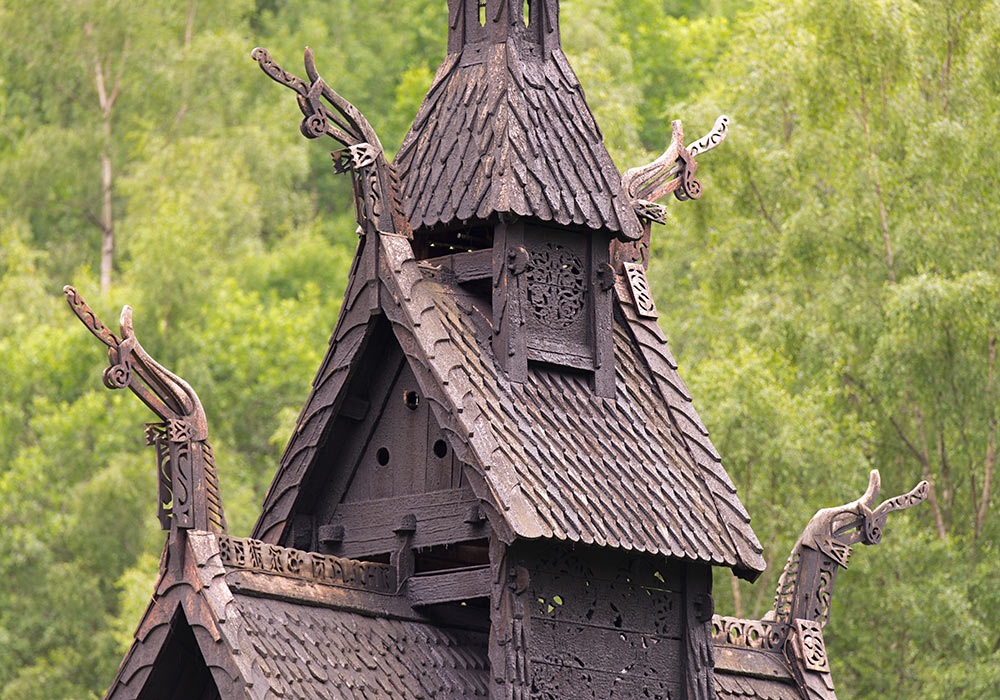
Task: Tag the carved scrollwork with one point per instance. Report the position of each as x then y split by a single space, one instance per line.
326 113
712 139
651 211
556 284
673 171
188 483
753 634
255 555
641 295
805 587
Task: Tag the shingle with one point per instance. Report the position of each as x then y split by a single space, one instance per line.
517 137
313 652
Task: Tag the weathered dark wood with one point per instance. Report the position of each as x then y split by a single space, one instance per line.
511 115
254 555
448 587
496 441
750 662
510 261
472 266
188 483
369 526
699 662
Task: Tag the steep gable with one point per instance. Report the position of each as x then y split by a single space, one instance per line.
547 458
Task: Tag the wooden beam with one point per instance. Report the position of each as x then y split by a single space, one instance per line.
474 265
449 586
439 517
466 267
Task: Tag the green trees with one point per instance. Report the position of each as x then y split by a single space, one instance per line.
847 241
833 298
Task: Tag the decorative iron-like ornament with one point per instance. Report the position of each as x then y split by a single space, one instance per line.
555 285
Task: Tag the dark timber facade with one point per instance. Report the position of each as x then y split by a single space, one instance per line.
499 486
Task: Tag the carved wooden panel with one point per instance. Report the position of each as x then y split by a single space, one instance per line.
254 555
641 294
557 296
602 625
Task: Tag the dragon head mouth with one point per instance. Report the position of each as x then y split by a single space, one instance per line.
834 531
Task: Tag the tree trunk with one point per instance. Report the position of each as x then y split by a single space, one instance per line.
107 220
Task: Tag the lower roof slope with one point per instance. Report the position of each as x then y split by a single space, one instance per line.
314 652
261 643
575 466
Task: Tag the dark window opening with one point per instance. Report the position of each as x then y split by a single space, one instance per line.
411 399
471 614
382 456
447 557
456 240
440 449
375 558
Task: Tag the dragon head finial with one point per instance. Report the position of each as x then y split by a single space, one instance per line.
834 531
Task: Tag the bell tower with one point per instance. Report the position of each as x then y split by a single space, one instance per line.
475 22
505 173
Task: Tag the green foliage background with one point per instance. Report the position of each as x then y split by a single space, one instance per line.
834 298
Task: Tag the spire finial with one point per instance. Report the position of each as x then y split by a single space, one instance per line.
483 22
188 482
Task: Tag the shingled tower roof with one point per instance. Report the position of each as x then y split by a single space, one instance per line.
505 128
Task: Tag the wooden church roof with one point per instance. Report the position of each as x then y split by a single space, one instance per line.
505 128
234 621
552 460
550 455
263 634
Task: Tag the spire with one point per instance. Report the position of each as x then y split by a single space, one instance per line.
505 129
477 22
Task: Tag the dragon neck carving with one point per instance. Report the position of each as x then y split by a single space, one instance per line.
673 171
187 477
806 584
377 201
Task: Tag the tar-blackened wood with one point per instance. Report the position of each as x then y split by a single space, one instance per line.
582 622
699 663
511 116
449 586
472 266
510 262
369 527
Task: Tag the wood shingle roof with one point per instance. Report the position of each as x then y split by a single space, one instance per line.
551 459
501 131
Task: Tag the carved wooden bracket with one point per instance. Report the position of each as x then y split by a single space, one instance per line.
377 200
673 171
188 482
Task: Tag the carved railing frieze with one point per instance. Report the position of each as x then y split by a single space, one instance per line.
254 555
751 634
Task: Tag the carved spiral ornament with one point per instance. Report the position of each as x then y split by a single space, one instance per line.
555 285
313 126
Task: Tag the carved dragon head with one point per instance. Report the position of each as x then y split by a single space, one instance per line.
833 531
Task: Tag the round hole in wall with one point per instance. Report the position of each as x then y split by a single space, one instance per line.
382 456
440 449
411 399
